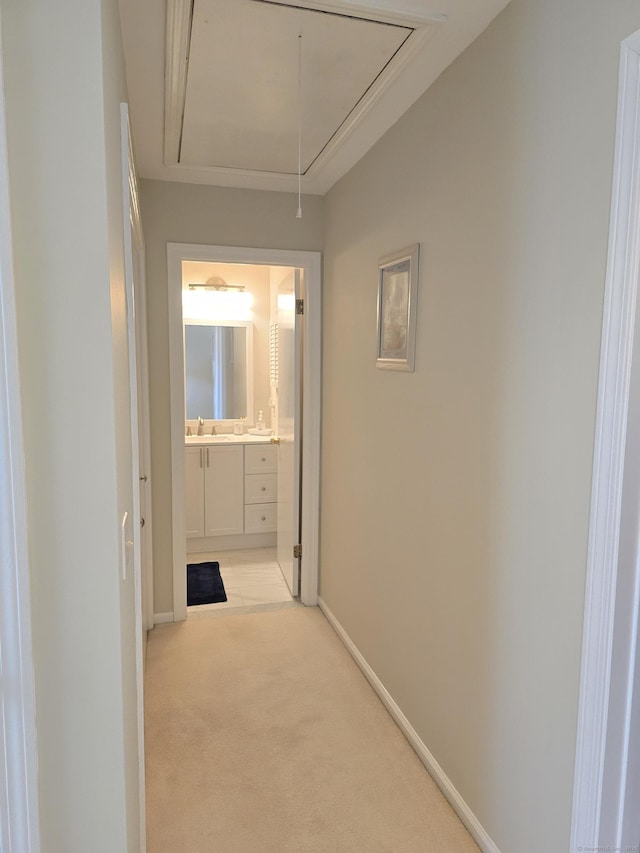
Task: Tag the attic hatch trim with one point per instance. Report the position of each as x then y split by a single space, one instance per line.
178 37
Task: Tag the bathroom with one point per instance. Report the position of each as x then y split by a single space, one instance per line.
237 320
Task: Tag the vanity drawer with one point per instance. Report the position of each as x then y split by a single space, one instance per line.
260 518
260 488
260 459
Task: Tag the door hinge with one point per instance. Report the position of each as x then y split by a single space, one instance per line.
299 306
297 552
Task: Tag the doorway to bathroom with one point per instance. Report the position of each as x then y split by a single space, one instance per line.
245 423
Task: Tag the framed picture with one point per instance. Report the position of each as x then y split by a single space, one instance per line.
397 305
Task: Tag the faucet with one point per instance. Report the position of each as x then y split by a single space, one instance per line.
213 429
200 426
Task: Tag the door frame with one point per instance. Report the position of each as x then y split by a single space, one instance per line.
135 260
290 447
133 243
19 820
609 652
310 262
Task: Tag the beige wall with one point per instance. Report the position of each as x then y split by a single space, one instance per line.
475 470
186 213
63 88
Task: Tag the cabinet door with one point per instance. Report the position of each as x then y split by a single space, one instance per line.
223 491
194 491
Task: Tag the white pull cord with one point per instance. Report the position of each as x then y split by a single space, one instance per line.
299 213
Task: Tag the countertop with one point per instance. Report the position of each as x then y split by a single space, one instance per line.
225 439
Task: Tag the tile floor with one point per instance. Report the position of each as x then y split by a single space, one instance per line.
252 580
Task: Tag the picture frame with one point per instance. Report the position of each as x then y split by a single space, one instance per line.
397 309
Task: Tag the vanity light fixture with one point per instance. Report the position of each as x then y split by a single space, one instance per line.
215 300
217 283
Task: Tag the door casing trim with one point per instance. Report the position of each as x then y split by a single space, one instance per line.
19 811
604 721
310 262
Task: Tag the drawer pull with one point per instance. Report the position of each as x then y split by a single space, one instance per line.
264 489
264 458
263 518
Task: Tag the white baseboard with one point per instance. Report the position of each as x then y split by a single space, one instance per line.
230 543
475 828
159 618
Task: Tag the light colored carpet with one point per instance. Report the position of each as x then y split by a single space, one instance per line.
263 735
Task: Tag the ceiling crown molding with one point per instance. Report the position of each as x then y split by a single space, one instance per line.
178 33
382 11
414 44
179 14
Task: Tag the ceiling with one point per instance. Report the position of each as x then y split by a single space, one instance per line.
245 92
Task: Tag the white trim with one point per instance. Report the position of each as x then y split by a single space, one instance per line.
134 197
311 264
414 45
217 176
383 11
128 216
179 18
311 422
145 423
142 362
176 426
471 822
599 707
179 13
19 825
161 618
232 542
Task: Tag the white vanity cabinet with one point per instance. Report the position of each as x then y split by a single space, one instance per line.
223 492
231 494
194 491
214 494
260 488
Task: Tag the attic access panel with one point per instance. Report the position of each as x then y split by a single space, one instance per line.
241 95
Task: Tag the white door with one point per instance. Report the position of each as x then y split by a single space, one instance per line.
288 421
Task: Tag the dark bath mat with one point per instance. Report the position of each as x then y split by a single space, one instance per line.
204 584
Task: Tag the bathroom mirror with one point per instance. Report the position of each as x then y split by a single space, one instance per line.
218 361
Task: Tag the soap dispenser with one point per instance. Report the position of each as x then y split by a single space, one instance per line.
260 421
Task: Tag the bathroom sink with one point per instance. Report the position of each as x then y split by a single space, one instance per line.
227 438
207 439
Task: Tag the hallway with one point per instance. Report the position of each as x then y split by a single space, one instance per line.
262 734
